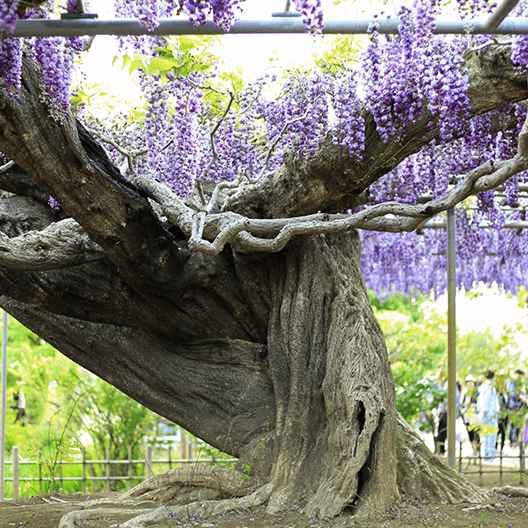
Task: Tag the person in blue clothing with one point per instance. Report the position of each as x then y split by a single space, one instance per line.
488 409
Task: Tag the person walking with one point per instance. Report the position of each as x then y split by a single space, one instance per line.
488 409
469 412
516 403
503 421
21 416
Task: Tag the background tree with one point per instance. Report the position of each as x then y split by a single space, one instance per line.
239 311
416 338
64 404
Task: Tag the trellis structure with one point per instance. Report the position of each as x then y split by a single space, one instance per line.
86 24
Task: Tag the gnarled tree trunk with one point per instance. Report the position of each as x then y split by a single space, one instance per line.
274 358
309 409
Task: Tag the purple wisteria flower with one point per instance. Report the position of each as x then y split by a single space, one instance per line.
8 16
11 65
312 14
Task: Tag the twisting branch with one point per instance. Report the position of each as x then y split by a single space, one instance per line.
242 176
246 231
130 156
61 245
253 234
276 141
7 166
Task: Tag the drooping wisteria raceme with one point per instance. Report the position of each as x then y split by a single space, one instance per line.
8 16
148 12
519 54
198 125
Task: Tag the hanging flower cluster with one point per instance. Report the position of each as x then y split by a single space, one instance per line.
148 12
8 15
403 73
519 54
312 14
349 123
191 129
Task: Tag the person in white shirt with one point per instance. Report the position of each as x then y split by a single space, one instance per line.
21 416
488 409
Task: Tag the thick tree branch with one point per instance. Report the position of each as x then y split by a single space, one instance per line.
62 244
332 181
68 164
206 386
17 181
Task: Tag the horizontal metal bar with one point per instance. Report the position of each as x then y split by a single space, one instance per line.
122 27
139 461
521 224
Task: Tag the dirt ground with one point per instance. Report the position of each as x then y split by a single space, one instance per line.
46 511
503 512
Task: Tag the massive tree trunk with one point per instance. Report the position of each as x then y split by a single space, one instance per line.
283 365
275 358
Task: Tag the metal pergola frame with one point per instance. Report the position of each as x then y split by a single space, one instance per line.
86 24
288 25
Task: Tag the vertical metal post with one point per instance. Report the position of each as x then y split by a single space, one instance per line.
130 467
107 468
83 451
451 339
148 462
3 411
16 473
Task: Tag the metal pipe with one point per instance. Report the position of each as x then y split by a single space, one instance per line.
121 27
451 338
3 411
500 13
520 224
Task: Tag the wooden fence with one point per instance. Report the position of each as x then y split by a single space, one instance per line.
148 464
501 465
504 466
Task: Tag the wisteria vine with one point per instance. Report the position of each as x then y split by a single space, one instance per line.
197 129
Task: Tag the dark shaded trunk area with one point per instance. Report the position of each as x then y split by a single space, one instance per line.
309 406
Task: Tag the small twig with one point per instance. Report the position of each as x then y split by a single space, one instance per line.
242 173
129 155
201 87
492 41
276 141
8 165
213 147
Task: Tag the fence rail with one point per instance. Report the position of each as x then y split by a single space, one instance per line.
56 476
467 465
481 465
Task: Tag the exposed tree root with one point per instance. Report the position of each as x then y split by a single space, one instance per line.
203 509
422 475
72 519
229 482
199 490
205 491
514 491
